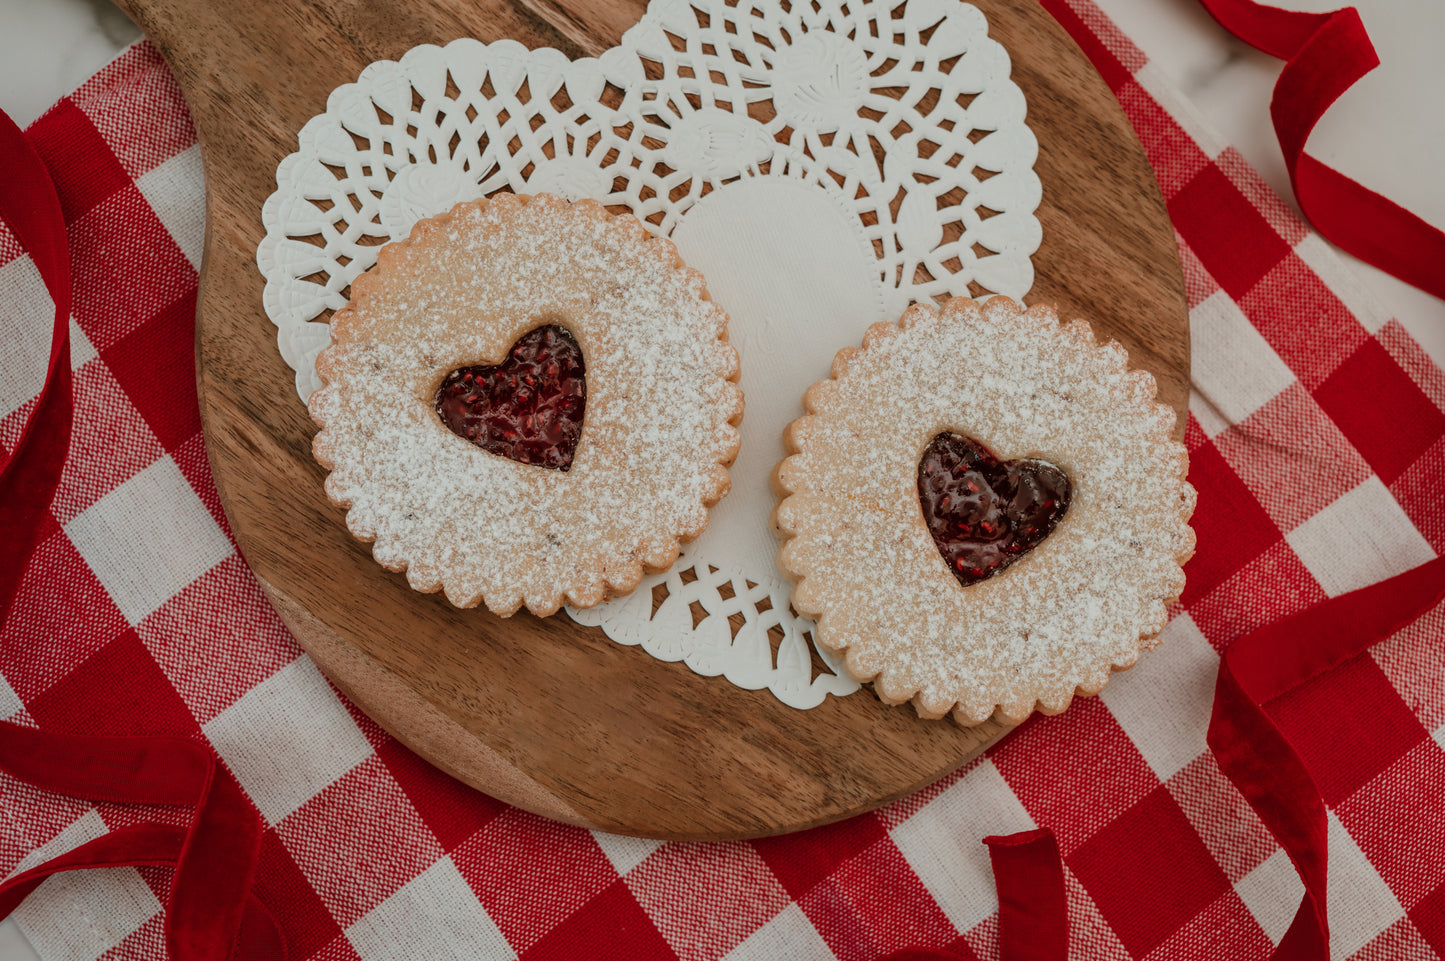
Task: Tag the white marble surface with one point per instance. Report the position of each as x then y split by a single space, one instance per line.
1388 131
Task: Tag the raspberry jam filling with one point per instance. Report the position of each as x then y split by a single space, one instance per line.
529 407
984 513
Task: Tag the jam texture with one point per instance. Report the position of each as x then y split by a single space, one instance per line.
984 513
527 408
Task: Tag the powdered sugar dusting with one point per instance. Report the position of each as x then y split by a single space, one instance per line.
1083 603
658 428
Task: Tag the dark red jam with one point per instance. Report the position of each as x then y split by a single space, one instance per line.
984 513
529 407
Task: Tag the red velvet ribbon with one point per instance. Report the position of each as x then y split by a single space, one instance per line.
1033 917
1325 54
1254 754
211 914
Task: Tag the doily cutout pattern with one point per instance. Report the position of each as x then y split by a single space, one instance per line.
771 648
904 114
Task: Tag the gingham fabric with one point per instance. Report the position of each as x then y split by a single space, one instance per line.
1317 437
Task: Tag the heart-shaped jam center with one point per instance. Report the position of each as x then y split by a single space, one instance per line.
984 513
528 407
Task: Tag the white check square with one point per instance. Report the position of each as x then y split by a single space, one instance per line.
1236 371
624 852
28 311
87 827
176 193
788 935
1272 892
10 703
148 538
287 738
943 843
82 915
1164 703
1363 537
435 917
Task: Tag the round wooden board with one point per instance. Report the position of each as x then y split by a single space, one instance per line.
543 713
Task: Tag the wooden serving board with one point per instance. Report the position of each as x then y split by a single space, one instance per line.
543 713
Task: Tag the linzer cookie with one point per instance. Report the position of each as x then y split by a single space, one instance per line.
985 511
528 402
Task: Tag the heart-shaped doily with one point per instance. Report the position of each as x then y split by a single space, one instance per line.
527 408
985 513
893 129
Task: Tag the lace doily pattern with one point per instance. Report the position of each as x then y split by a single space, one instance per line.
723 623
880 103
903 114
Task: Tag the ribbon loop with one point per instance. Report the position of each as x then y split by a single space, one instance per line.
1326 54
215 857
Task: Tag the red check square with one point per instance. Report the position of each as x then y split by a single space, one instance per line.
804 859
1396 818
153 365
530 874
874 904
80 161
344 841
610 927
61 616
1292 457
452 810
1348 725
1075 772
706 898
88 699
1231 526
1306 324
1226 231
1151 847
1381 410
282 887
1429 919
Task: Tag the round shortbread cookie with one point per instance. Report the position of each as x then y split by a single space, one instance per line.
1058 620
658 432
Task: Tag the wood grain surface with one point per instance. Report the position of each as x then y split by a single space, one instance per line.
544 713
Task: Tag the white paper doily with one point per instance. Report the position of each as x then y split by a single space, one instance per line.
823 164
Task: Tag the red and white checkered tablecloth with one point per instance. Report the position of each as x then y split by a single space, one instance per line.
1317 441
